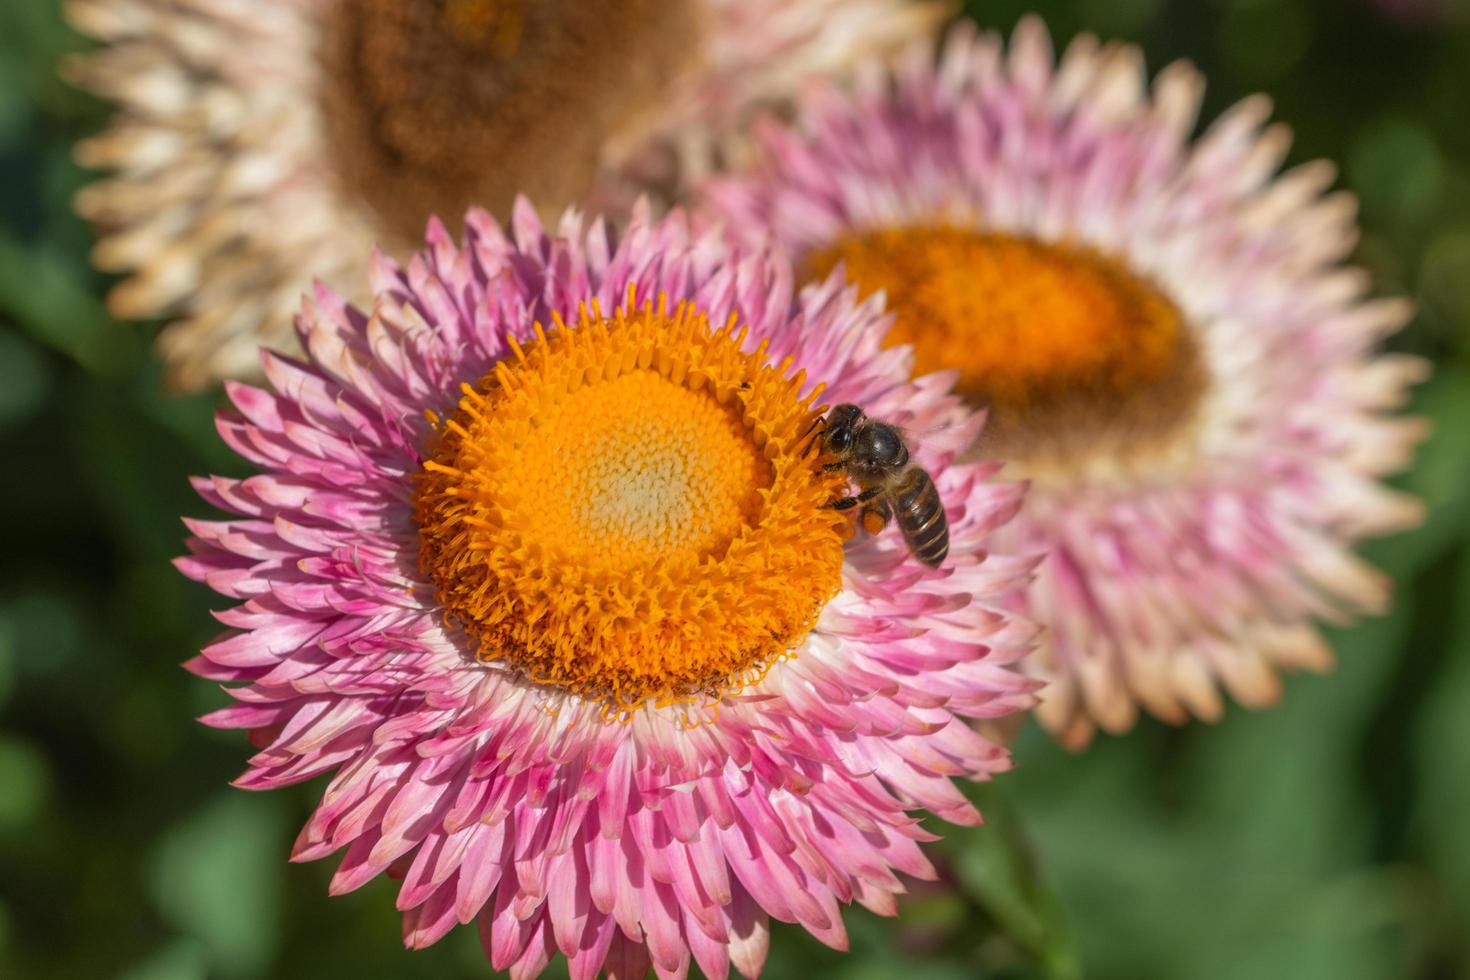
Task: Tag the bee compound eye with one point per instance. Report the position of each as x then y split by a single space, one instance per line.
882 445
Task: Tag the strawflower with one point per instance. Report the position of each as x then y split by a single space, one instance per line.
1161 328
540 569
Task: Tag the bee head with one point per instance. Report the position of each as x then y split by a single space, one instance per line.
840 428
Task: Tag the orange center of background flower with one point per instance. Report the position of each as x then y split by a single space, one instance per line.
623 510
1022 321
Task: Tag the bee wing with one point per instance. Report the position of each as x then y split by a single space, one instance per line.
930 438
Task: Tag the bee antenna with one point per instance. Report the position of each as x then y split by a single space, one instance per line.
815 431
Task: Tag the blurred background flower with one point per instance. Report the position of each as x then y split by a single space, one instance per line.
1324 839
259 144
1161 331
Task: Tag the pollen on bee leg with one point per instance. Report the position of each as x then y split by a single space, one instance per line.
621 510
873 520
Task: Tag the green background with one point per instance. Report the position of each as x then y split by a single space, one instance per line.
1327 838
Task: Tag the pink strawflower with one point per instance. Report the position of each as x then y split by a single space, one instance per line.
1161 328
563 611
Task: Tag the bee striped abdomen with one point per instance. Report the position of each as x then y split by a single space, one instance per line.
920 516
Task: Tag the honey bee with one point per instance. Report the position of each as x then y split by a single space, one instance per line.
876 458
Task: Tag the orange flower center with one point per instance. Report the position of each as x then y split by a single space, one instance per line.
623 510
639 470
1020 319
1078 359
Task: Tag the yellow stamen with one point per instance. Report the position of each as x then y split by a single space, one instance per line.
1021 320
623 510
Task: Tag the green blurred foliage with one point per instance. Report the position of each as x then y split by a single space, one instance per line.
1325 839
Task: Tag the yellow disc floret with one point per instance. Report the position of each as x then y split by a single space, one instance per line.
624 509
1023 321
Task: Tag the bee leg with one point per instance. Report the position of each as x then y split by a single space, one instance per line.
848 503
874 517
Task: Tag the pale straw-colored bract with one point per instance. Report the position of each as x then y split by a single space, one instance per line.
673 832
1205 562
225 198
